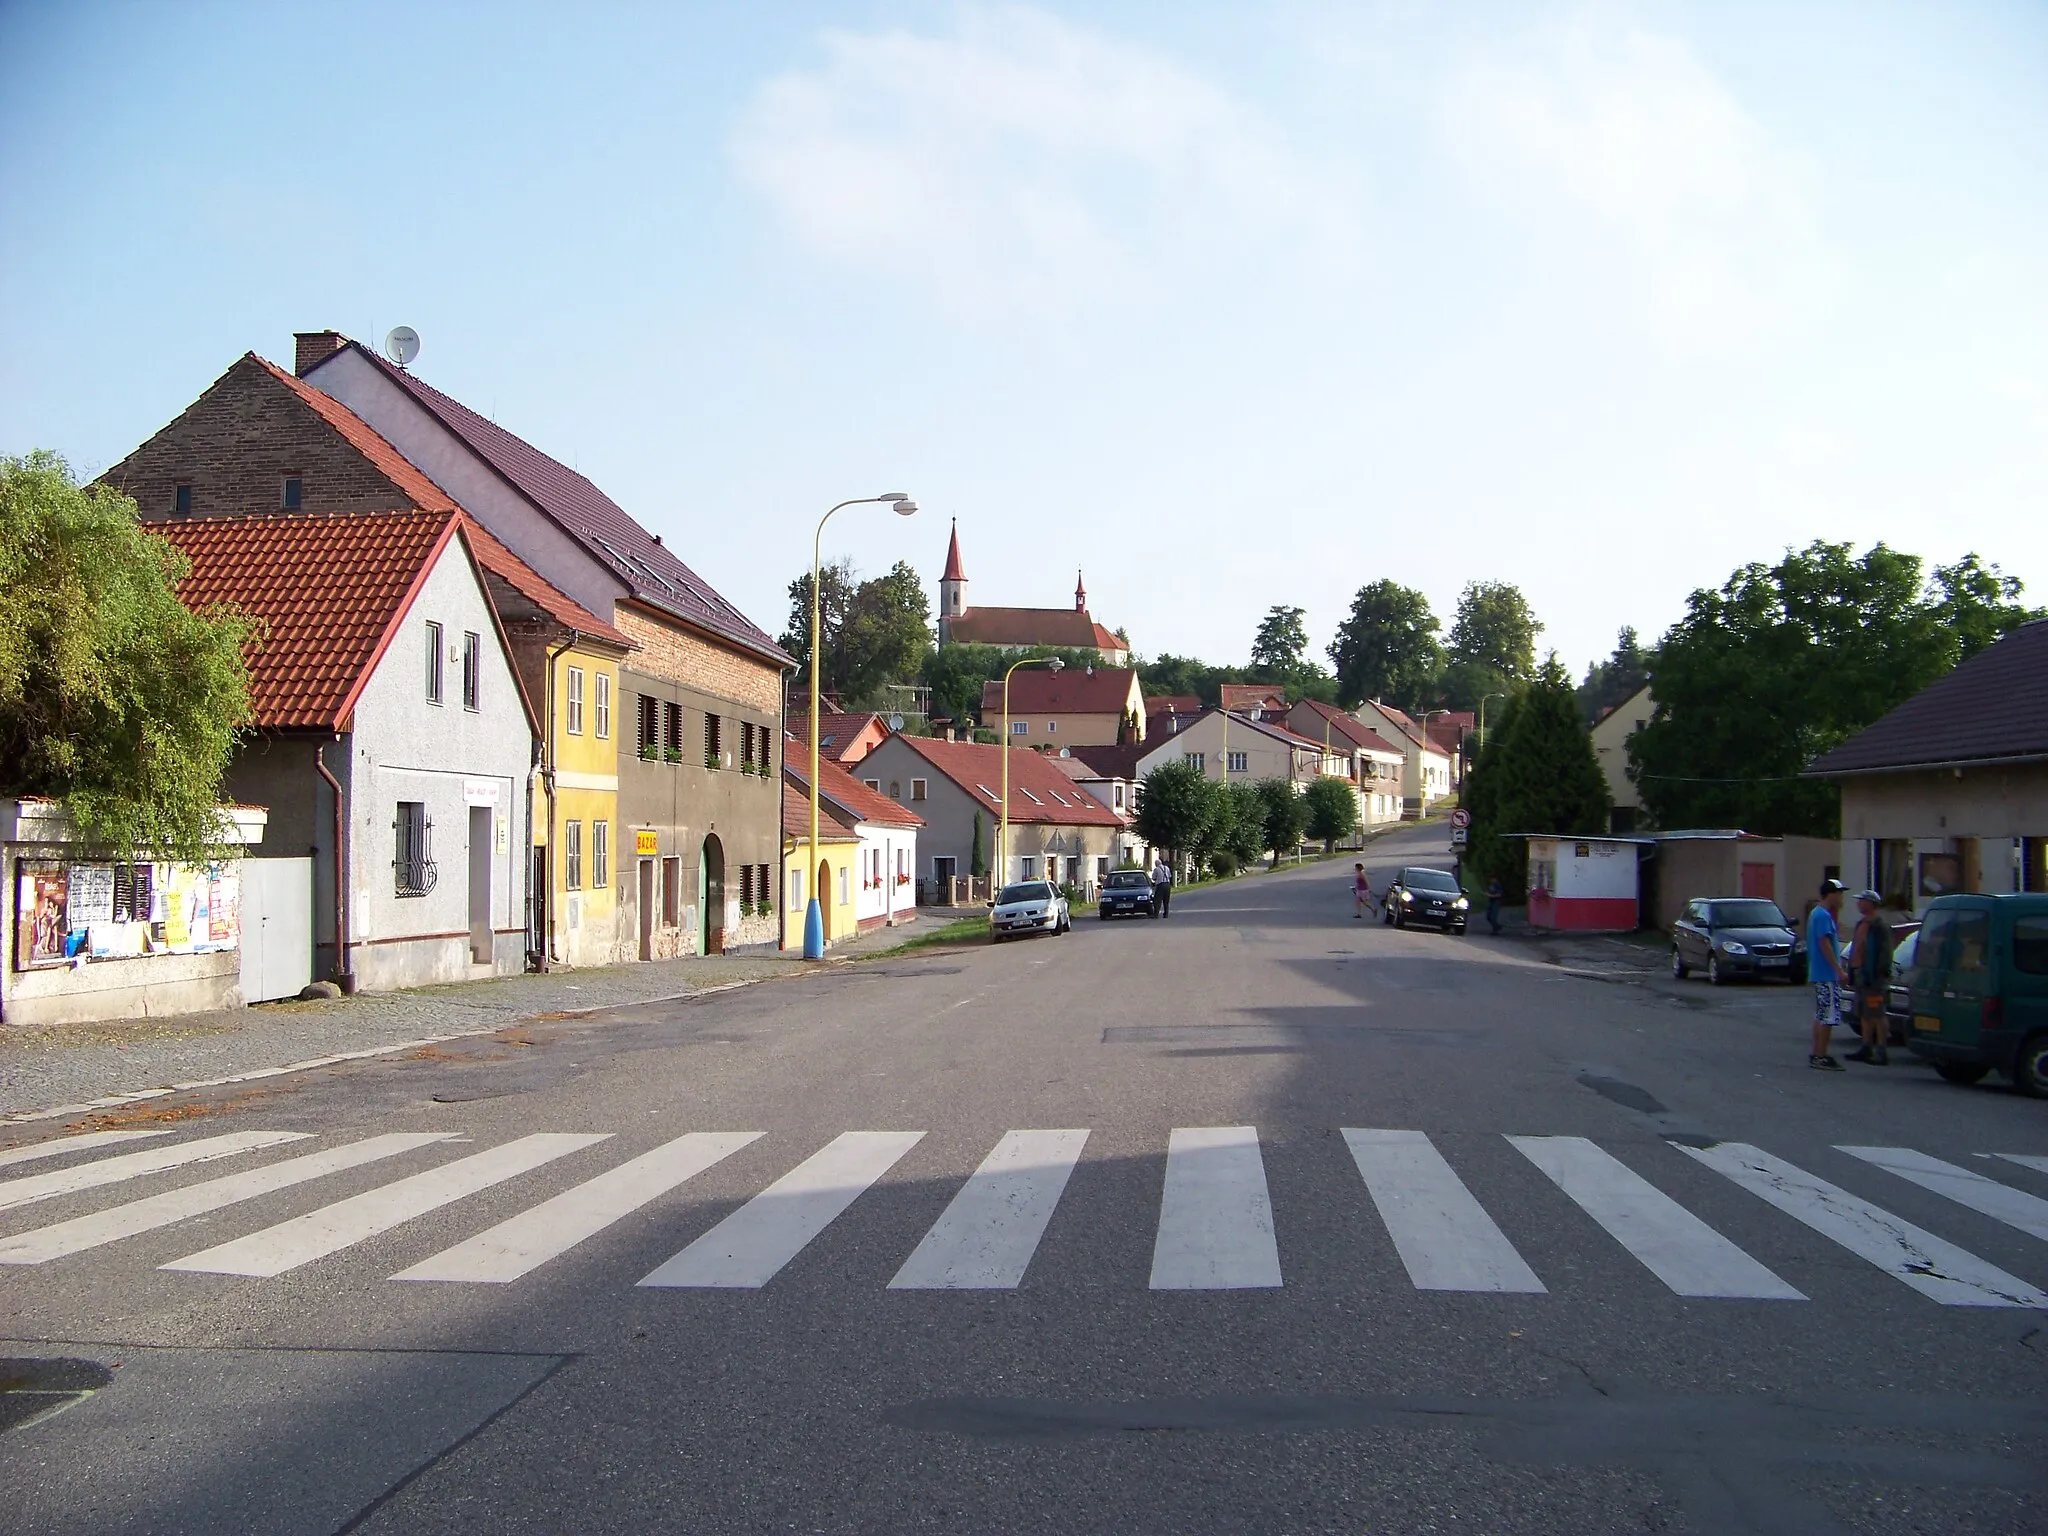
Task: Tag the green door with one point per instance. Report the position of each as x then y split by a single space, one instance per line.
704 901
1967 972
1928 979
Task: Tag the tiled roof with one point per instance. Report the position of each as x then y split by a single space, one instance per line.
1118 762
1178 703
796 819
557 605
1063 627
366 440
1994 706
1074 691
837 732
1351 729
328 589
648 568
1039 792
954 571
1251 695
841 788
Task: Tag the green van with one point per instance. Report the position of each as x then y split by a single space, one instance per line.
1978 989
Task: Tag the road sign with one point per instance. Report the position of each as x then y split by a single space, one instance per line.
1460 837
1461 818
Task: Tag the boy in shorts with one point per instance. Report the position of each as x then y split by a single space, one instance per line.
1825 970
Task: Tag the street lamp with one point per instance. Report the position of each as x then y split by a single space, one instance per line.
1051 664
1482 715
814 915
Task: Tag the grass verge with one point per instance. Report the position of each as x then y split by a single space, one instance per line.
964 930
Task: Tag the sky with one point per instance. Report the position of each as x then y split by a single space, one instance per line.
1229 306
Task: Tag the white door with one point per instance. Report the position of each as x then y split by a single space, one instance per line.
277 928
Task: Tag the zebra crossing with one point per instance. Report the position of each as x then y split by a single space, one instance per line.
1215 1226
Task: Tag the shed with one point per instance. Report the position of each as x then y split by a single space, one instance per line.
1585 884
1725 861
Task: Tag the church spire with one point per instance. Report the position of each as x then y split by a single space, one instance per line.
1080 594
954 572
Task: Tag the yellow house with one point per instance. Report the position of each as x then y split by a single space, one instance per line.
830 869
1074 707
568 660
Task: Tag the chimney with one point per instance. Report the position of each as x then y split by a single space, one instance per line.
315 347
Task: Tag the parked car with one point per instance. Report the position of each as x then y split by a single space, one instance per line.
1126 893
1898 1004
1977 991
1423 895
1735 936
1030 906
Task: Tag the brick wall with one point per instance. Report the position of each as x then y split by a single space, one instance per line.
234 446
669 651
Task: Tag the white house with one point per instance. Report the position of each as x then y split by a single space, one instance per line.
1425 767
883 876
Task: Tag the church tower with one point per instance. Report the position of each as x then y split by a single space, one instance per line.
1080 594
952 585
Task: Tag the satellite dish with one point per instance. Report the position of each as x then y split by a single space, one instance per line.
402 345
895 722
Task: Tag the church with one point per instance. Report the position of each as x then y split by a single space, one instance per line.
1021 628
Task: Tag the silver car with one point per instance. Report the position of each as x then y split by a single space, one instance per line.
1030 906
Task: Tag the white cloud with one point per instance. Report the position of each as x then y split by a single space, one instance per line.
1629 126
1022 163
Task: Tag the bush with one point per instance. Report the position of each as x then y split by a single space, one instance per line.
1222 864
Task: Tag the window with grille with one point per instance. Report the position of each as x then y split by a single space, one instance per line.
604 706
672 731
413 863
573 701
433 662
1239 762
472 669
1199 761
572 855
712 724
600 854
649 726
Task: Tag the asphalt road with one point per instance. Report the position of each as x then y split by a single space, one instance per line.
1674 1304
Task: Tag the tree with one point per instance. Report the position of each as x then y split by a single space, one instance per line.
1462 684
1240 828
1187 675
874 632
1488 852
977 855
1538 773
1495 628
1283 815
1177 809
1332 807
1613 682
1816 647
116 700
1387 648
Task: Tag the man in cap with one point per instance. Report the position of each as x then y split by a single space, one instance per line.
1870 970
1825 970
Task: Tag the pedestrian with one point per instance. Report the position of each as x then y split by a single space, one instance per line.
1870 969
1361 891
1162 884
1825 970
1495 892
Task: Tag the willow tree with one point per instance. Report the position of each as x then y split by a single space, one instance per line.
116 700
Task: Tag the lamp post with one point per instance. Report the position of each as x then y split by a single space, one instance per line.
1482 716
814 915
1051 664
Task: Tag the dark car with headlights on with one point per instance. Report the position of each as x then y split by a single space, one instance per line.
1733 936
1126 893
1429 896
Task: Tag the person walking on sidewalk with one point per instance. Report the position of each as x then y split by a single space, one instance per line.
1870 969
1825 970
1162 884
1495 891
1361 891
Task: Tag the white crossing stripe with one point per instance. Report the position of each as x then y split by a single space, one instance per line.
82 1232
132 1165
334 1227
65 1144
1932 1267
744 1251
1445 1239
552 1228
2025 1160
985 1239
1672 1243
2014 1207
1215 1218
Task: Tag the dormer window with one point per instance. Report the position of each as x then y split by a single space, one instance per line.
292 497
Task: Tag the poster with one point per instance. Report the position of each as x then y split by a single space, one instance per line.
116 912
91 895
224 908
39 915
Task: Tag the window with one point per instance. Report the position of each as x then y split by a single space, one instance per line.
433 662
604 706
2029 944
1027 867
472 669
746 753
1239 762
713 748
572 855
1971 944
1029 796
1020 727
917 790
874 784
1051 726
1199 761
413 864
181 501
647 726
845 886
574 707
943 872
672 731
1118 793
600 854
896 790
292 497
671 892
796 890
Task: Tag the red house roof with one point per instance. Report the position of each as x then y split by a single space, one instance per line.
1073 691
650 570
843 736
955 571
330 591
1039 792
796 819
1060 627
840 788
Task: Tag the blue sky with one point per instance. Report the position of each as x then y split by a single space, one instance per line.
1231 306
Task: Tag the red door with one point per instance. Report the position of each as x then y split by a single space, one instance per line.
1760 880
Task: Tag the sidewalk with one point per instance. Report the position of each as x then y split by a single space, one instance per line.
72 1066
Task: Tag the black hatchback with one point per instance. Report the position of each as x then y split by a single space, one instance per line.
1423 895
1736 936
1125 893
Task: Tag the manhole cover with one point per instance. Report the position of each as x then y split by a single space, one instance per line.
35 1388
